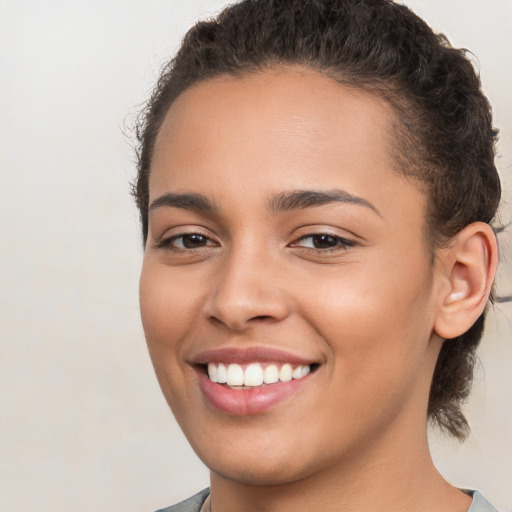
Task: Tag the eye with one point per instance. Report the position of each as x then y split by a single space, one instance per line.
323 241
186 241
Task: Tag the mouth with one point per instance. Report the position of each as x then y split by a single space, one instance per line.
255 374
252 380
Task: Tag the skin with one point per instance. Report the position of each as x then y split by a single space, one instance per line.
354 436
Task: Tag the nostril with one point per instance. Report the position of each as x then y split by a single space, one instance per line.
261 317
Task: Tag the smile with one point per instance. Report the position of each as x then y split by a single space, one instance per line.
254 374
251 380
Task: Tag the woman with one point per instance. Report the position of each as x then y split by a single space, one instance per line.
316 187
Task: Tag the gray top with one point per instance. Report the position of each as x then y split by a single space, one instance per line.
480 504
194 504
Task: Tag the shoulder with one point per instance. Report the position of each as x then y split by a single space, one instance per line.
480 504
192 504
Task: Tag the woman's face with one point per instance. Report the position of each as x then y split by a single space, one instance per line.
282 241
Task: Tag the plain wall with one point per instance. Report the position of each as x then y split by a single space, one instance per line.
83 425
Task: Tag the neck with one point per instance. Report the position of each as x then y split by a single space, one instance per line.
383 478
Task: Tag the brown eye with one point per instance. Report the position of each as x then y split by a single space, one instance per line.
194 241
323 241
190 241
186 241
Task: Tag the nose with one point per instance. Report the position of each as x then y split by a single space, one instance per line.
246 291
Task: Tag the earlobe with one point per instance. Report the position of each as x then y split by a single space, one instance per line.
468 266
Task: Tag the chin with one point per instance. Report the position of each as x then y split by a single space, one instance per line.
261 474
263 463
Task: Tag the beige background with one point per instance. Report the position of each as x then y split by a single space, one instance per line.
83 426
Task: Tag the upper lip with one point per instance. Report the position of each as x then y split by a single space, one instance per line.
248 355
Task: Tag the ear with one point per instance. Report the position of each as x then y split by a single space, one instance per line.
467 269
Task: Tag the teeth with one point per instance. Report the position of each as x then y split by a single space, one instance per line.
222 374
270 374
305 370
297 372
254 374
286 373
212 372
235 376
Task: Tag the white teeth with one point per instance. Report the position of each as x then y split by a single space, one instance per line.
270 374
222 374
235 375
297 372
286 373
212 372
254 374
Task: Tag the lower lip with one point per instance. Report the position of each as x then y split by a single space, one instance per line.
249 400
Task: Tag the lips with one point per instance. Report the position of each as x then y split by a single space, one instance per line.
251 380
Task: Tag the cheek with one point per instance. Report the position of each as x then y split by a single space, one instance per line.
376 323
377 343
168 303
167 306
168 312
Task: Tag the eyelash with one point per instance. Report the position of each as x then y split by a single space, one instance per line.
167 243
340 242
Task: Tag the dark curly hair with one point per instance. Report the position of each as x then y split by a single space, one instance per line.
443 136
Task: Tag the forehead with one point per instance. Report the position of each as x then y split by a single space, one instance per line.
274 130
295 102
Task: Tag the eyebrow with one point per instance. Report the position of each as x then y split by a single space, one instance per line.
282 202
301 199
190 201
